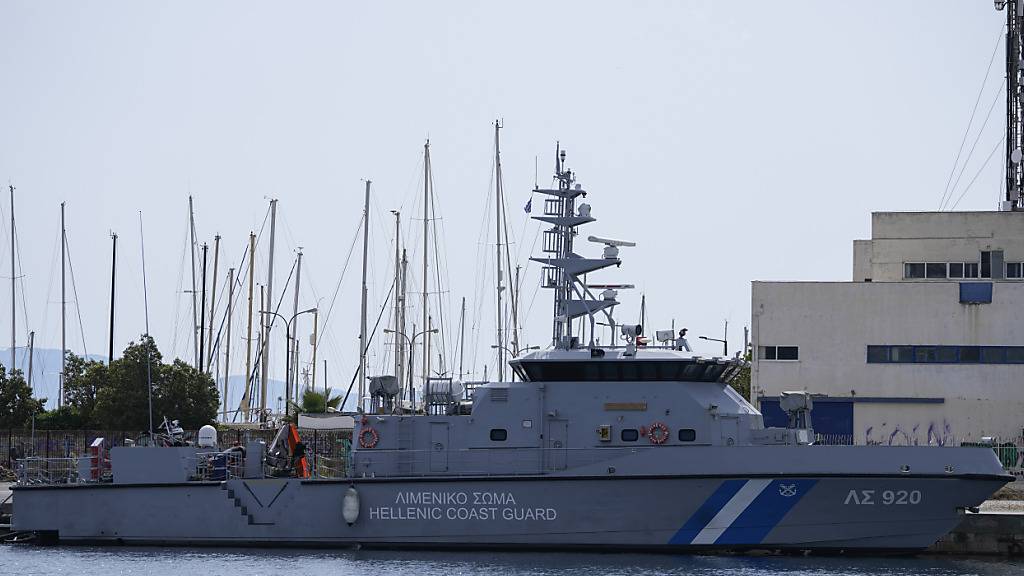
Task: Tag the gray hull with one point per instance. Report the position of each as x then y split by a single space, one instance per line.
871 513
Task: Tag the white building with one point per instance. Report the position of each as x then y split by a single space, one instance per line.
925 345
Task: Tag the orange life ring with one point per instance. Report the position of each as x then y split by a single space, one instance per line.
658 434
370 442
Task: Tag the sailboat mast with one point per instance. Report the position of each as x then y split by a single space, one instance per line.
426 251
316 342
267 325
63 308
295 330
227 342
31 353
202 309
462 336
500 347
407 367
362 314
113 286
246 401
192 248
14 329
398 297
213 302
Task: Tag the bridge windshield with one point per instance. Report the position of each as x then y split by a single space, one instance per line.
620 370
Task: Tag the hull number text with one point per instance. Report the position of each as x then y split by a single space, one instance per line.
883 497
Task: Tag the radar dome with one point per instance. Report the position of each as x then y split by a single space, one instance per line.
207 437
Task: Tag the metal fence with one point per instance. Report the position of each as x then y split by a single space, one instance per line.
327 446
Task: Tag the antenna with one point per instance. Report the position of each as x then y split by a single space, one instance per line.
1014 104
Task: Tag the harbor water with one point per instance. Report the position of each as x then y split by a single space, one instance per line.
28 560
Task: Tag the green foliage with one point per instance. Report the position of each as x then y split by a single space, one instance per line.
314 402
185 394
122 402
63 418
741 382
82 382
16 402
116 396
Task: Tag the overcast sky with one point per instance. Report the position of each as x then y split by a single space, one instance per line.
733 141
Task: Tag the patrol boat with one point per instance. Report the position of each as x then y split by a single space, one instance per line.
619 447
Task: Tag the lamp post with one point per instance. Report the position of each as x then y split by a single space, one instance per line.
287 352
725 343
512 354
410 342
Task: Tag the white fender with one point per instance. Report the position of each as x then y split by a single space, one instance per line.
350 506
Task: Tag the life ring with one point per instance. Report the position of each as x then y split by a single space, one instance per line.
370 442
658 433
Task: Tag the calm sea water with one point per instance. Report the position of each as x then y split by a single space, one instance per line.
83 561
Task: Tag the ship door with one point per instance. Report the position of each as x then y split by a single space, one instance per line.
730 430
438 446
558 433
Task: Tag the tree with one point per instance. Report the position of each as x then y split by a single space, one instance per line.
123 402
185 394
180 392
741 382
82 382
16 402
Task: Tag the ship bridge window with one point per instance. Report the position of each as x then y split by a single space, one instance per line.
687 434
629 434
499 434
623 370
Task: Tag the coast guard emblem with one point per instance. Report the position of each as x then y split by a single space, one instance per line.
787 490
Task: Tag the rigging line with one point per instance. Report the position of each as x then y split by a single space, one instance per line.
78 306
974 145
21 278
947 192
177 298
978 173
49 292
242 268
442 288
337 287
369 341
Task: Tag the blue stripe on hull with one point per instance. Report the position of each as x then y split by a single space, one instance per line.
707 511
766 511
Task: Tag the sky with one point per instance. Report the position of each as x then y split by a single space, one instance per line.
732 141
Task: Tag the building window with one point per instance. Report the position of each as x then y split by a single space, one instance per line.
986 264
913 270
499 434
933 270
1013 270
963 269
936 270
945 354
878 354
687 434
778 353
629 434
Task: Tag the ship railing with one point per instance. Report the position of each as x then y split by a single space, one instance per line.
330 467
217 466
34 471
